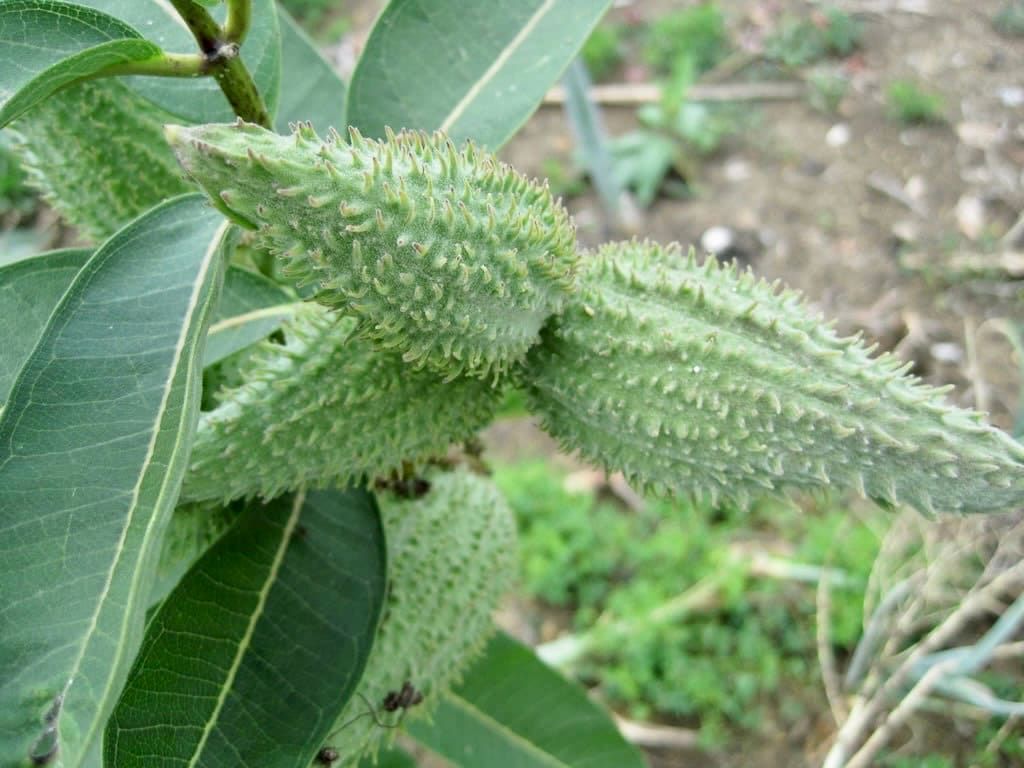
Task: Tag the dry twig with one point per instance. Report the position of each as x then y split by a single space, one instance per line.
627 94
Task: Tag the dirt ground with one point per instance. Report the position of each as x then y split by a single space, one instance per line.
875 229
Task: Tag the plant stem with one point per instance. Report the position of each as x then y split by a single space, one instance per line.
239 18
203 26
164 65
222 60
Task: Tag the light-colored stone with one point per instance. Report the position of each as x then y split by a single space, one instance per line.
838 135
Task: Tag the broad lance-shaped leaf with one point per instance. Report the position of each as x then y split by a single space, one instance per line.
250 658
96 152
29 291
473 70
93 444
199 100
250 308
314 92
513 710
450 257
451 555
46 45
323 408
694 379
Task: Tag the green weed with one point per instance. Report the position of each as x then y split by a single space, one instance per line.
603 53
826 90
802 41
697 33
757 634
676 134
910 104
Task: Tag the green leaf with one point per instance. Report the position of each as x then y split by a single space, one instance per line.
200 100
93 445
396 757
251 658
193 529
513 711
251 308
29 290
641 160
474 70
46 45
314 91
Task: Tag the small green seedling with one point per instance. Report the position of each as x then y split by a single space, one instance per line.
911 104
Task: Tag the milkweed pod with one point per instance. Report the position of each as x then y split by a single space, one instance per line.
694 378
451 555
95 151
326 407
448 256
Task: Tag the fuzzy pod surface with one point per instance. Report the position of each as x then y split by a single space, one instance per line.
448 256
96 151
691 378
451 556
324 408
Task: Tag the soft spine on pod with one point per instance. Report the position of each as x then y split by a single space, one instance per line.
692 378
448 256
326 408
96 152
451 555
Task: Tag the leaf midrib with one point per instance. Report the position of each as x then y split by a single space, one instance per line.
514 44
243 645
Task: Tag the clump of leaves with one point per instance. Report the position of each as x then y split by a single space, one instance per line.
603 51
910 103
826 89
801 41
677 135
697 33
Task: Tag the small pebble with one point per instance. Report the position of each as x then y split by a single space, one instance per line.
970 216
838 135
717 240
947 352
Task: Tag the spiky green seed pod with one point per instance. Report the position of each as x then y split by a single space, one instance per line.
451 554
324 408
96 152
692 378
448 256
